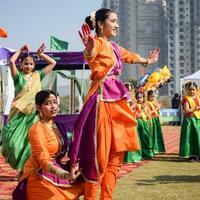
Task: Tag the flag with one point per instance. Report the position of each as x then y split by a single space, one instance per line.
57 44
3 33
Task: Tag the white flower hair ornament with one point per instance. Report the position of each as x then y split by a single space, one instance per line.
93 18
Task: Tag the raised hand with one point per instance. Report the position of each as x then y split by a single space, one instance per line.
41 49
87 37
153 56
25 48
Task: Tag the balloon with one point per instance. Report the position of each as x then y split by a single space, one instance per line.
155 77
165 73
3 33
148 86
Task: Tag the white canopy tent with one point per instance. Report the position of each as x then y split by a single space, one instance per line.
6 81
193 77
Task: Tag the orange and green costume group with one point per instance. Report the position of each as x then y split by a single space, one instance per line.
104 130
144 136
149 133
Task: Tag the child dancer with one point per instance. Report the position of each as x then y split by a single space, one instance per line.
190 129
27 82
143 126
133 156
157 136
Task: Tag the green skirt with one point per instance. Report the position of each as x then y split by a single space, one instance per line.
145 136
190 137
15 145
158 142
134 156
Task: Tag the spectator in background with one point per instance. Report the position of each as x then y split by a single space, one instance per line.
176 101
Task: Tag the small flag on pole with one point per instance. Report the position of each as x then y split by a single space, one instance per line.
57 44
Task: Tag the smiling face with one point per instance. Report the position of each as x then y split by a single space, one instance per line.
27 65
49 108
109 27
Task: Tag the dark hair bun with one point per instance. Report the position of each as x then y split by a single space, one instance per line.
89 22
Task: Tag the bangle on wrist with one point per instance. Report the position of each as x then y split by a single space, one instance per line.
88 55
146 63
39 53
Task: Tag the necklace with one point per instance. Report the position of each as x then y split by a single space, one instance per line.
29 79
50 125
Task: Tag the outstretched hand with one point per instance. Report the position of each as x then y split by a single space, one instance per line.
87 37
153 56
41 49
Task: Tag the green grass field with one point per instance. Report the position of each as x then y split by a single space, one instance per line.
166 178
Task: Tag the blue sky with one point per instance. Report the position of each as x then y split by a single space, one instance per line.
33 22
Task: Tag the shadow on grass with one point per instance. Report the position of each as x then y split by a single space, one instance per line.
8 178
167 179
169 158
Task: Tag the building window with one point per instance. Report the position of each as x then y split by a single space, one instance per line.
181 44
181 29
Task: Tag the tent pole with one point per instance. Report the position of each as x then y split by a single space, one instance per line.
2 102
72 98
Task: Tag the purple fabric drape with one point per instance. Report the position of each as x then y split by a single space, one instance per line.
113 88
83 146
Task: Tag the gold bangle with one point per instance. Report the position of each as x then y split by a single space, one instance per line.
88 55
145 64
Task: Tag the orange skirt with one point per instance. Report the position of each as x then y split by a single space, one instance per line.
116 127
40 189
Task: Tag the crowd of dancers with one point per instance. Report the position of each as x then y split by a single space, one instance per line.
114 126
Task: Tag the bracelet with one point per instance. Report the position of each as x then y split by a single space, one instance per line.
145 64
39 54
86 54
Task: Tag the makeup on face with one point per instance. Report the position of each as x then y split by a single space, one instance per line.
28 65
49 108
